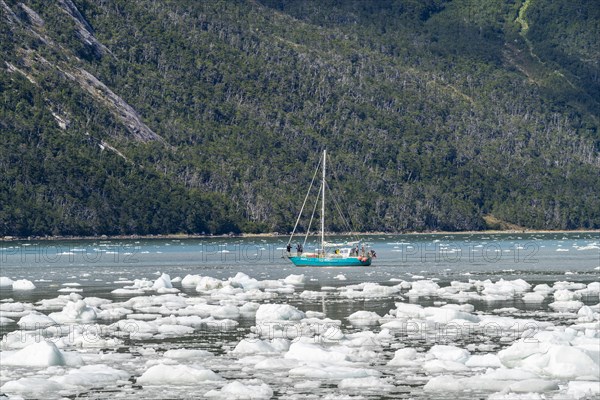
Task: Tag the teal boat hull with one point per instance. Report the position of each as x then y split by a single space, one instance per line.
301 261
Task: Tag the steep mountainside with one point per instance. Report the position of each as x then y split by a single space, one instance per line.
146 116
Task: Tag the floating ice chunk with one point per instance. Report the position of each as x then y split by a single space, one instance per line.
99 375
6 282
163 281
142 284
442 314
314 353
127 292
461 285
175 330
324 371
249 308
505 288
543 288
163 290
190 280
533 386
186 354
571 362
592 246
163 374
444 383
449 353
363 318
370 382
514 355
505 310
278 312
32 386
483 361
586 314
225 312
18 339
592 290
23 284
340 277
96 301
566 295
594 287
467 308
115 313
86 336
436 366
311 295
207 283
36 320
406 310
295 280
562 285
253 389
370 290
15 310
446 314
75 311
70 290
423 288
333 333
136 329
244 281
570 305
534 297
276 364
404 357
251 346
41 354
551 356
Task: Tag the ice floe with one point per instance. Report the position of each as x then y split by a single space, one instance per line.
168 374
245 337
23 284
238 390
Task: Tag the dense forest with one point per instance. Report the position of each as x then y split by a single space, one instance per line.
155 117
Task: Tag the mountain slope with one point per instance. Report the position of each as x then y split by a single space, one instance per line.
184 116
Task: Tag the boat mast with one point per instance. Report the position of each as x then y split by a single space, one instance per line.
323 207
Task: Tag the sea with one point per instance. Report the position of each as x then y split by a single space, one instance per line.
64 271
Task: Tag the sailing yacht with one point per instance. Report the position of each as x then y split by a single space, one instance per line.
342 254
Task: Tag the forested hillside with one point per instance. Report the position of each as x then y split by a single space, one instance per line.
147 116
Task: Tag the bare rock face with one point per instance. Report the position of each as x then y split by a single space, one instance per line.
33 63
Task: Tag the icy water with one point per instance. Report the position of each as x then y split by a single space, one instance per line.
504 316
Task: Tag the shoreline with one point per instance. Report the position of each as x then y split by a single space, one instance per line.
181 236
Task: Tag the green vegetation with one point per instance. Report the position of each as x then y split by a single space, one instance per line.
150 117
